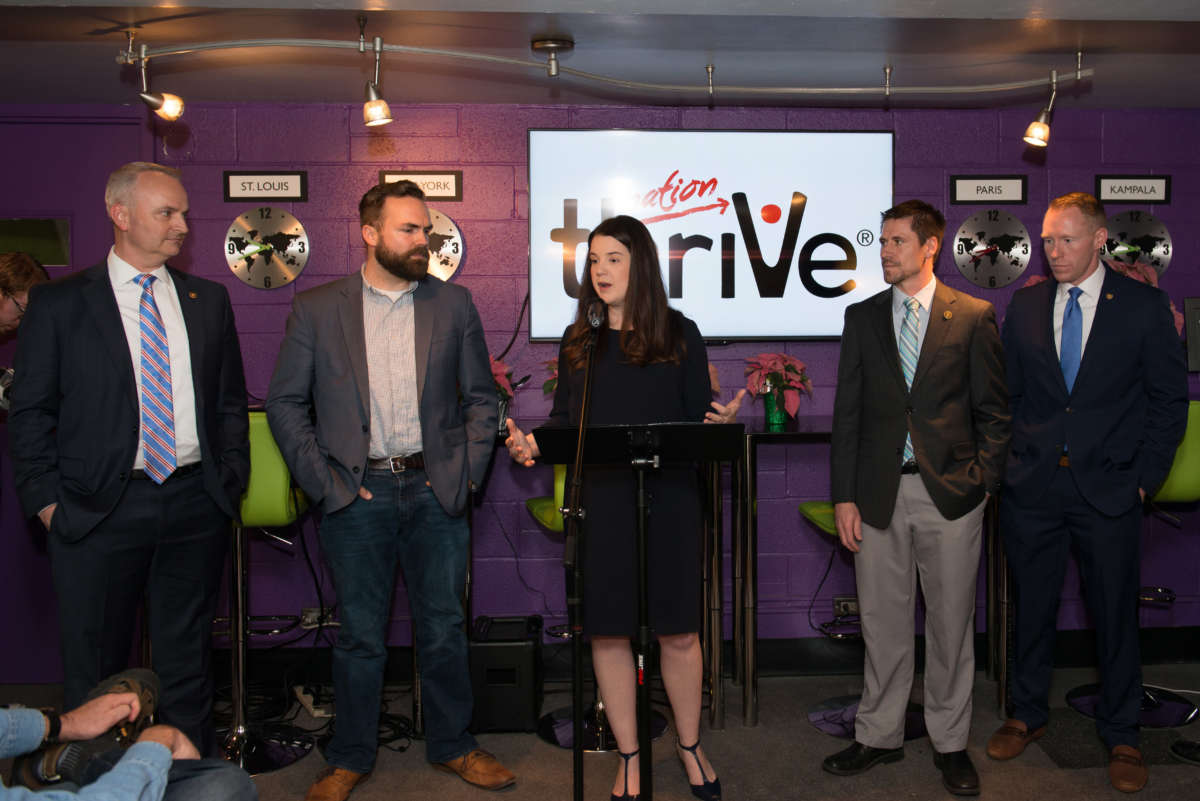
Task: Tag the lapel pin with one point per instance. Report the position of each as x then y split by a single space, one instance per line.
946 315
193 295
1108 296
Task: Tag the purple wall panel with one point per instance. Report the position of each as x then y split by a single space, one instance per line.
516 567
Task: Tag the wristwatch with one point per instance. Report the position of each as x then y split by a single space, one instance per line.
53 727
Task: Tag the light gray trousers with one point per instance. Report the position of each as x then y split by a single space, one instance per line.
945 554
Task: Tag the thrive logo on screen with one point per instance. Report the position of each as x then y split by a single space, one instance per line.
734 216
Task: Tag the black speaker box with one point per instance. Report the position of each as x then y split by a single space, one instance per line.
506 673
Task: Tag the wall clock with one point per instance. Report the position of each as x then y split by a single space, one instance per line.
1139 236
266 247
446 248
991 248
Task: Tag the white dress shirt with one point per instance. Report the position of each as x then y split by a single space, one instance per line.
183 397
924 297
1089 299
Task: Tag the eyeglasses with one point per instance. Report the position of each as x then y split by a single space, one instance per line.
20 306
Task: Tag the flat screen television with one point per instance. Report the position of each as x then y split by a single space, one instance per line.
761 235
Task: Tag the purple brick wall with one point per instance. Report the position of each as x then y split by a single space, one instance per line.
516 566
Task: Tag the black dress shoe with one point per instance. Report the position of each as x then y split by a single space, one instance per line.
1186 751
858 758
958 774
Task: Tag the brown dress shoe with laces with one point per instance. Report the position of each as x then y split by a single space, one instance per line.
1126 770
1009 740
480 769
334 784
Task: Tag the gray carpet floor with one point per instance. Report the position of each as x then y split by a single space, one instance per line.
781 757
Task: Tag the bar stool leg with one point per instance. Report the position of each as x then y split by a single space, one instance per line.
241 746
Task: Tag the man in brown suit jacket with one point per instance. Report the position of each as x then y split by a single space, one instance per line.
920 428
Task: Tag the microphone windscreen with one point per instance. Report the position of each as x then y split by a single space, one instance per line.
595 313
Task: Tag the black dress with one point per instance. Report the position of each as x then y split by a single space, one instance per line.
625 393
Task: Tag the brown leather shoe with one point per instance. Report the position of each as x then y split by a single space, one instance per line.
480 769
333 784
1010 740
1126 770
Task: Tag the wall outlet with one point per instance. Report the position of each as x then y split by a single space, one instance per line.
311 617
845 605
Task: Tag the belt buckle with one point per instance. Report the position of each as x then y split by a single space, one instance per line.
396 464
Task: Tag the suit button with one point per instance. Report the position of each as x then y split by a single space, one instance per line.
908 410
121 477
366 429
356 470
1069 410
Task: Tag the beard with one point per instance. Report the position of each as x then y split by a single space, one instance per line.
410 266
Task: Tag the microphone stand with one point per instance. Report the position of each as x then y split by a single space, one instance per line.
573 514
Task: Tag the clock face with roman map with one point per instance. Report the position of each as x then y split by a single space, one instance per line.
266 247
991 248
445 246
1139 236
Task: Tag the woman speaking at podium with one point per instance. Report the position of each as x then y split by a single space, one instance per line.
650 366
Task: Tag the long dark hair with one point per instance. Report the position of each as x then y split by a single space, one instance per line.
650 331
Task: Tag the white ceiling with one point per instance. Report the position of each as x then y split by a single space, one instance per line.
1144 52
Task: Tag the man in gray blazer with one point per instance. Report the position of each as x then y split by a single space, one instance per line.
384 408
920 427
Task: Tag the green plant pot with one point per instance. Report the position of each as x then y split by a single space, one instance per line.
776 414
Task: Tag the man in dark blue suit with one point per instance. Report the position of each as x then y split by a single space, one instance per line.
129 441
1098 390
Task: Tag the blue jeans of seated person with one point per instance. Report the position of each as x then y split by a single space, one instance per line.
188 779
403 524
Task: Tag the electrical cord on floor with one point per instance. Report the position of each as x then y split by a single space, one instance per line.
812 601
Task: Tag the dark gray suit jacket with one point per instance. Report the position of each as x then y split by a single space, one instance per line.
322 369
957 409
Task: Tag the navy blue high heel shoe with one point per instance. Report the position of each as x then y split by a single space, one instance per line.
625 796
710 790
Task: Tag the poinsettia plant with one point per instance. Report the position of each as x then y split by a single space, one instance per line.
778 374
502 375
551 383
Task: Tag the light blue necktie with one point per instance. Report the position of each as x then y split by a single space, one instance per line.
1071 346
908 355
158 415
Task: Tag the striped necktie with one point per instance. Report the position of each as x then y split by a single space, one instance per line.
158 415
908 355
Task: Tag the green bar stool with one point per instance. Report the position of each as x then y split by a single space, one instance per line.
545 509
270 501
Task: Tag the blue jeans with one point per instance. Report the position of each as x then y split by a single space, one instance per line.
189 779
402 524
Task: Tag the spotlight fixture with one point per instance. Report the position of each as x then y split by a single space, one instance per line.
376 110
552 47
164 104
1038 132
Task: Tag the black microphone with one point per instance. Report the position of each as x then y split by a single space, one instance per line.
596 313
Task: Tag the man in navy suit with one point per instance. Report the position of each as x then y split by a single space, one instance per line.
129 441
1098 389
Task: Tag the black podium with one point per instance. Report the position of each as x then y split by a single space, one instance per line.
642 447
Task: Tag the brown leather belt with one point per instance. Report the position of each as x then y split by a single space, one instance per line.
909 468
398 464
1064 461
178 472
